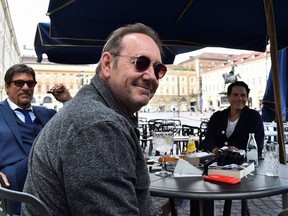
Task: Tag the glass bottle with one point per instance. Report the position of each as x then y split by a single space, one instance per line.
252 150
191 147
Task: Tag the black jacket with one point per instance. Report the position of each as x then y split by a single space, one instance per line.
250 121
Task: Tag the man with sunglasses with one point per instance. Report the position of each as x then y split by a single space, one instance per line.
92 164
20 123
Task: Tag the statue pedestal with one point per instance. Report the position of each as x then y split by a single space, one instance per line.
223 93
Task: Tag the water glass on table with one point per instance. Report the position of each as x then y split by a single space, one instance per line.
271 159
163 142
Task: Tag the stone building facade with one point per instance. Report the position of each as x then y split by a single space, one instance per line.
196 84
9 50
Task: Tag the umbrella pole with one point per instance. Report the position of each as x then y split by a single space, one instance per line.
268 4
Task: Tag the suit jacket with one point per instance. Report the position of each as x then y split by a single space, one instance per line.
250 121
13 158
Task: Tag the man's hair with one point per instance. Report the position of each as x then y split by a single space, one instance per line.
15 69
114 41
238 83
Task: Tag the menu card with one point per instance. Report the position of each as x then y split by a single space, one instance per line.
185 169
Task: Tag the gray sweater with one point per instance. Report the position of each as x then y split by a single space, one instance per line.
88 161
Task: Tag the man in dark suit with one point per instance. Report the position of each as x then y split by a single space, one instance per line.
17 130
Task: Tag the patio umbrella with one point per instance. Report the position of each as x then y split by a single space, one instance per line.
239 24
85 51
65 51
268 109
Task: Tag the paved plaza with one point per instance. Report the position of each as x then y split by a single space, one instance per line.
268 206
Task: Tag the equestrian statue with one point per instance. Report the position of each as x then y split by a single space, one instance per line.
230 77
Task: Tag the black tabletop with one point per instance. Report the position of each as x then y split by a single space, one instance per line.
254 186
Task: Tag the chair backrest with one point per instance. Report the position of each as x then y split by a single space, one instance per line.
7 195
204 124
195 131
164 125
283 212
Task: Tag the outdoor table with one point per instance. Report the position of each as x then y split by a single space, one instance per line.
200 191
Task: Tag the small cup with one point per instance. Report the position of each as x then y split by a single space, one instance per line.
271 159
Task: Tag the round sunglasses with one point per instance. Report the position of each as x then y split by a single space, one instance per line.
21 83
142 63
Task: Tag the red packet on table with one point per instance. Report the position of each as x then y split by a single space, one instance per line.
222 178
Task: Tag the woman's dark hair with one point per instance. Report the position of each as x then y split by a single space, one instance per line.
18 68
238 83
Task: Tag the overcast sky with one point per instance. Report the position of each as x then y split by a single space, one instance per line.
26 14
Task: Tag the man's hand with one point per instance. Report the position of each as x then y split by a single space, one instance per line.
215 151
4 178
60 92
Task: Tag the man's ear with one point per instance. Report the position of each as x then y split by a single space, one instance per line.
107 64
7 89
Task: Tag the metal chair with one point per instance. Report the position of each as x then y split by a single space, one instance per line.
7 195
188 130
283 212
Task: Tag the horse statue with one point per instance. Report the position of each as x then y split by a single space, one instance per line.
230 77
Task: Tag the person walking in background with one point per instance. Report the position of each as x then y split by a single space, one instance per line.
20 123
231 127
88 160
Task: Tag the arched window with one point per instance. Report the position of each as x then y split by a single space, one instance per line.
183 99
47 99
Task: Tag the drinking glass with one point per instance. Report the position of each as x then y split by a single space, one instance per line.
271 159
163 142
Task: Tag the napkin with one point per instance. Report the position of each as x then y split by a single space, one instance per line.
185 169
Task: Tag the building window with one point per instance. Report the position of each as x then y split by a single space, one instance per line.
47 99
39 88
183 99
